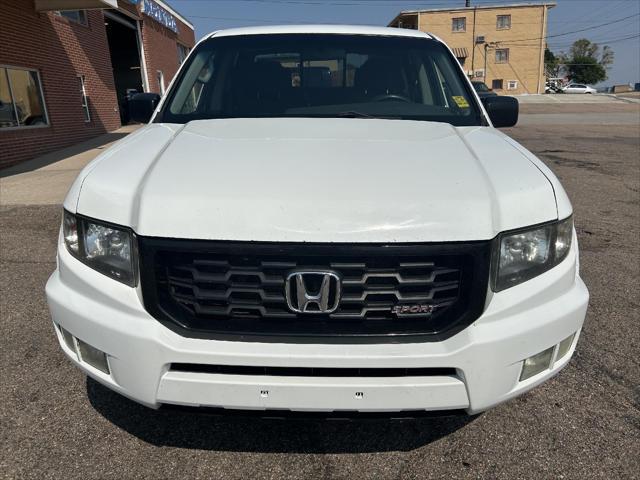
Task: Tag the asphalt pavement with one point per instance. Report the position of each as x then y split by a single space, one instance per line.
584 423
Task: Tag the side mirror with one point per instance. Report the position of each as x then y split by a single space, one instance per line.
503 111
142 106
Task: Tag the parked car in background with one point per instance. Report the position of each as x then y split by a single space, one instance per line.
482 90
552 87
578 88
337 240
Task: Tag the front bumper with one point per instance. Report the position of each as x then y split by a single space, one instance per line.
487 356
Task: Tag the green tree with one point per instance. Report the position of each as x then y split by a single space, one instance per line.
552 64
586 70
586 48
587 62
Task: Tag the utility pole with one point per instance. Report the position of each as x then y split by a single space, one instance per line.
487 46
484 73
473 42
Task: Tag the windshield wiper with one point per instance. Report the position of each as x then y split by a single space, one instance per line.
354 114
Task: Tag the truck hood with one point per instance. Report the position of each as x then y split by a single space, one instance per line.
317 180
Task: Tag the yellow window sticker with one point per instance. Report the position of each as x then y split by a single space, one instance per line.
461 101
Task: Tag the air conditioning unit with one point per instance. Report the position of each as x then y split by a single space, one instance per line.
480 39
478 73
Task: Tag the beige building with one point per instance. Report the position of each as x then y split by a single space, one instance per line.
501 45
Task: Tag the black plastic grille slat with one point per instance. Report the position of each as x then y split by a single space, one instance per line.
236 290
198 293
399 295
312 371
203 276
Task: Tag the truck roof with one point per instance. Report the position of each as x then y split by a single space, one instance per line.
327 29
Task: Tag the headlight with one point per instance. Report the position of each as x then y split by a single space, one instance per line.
524 254
106 248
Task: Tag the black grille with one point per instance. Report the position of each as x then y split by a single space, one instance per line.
237 290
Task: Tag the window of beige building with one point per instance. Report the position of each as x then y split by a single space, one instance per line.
512 84
502 55
496 84
459 24
503 22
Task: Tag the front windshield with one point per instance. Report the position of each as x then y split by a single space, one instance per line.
297 75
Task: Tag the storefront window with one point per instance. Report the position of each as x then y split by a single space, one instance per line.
85 100
21 101
76 16
161 82
7 112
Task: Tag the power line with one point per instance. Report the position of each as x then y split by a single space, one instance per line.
263 20
576 31
558 46
616 40
596 14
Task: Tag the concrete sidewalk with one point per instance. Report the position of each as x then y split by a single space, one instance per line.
45 180
568 98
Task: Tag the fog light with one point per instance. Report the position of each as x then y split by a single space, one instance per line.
536 364
68 339
94 357
564 347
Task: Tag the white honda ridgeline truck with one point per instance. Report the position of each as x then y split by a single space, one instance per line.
319 219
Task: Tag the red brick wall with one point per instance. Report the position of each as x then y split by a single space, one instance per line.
161 49
60 50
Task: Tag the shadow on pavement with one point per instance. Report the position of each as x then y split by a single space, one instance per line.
237 434
58 155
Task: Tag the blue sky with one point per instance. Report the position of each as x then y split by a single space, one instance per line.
567 16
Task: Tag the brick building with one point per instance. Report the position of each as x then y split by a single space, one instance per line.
65 74
501 45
